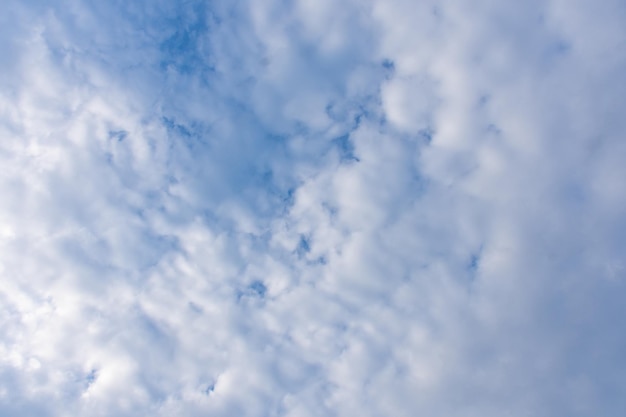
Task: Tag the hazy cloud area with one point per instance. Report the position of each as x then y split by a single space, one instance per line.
313 208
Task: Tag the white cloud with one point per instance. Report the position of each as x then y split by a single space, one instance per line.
356 208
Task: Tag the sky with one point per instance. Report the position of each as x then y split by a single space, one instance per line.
312 208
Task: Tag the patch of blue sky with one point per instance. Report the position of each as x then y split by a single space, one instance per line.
253 292
345 148
187 50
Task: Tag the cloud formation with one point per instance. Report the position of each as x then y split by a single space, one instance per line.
308 208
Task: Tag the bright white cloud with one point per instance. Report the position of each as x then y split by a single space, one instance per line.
312 208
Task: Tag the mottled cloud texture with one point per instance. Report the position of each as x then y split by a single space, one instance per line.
313 208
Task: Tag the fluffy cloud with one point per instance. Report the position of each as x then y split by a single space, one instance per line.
312 209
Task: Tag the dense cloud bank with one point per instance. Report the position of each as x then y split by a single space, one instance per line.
312 208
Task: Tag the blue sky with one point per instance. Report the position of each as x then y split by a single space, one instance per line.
312 208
